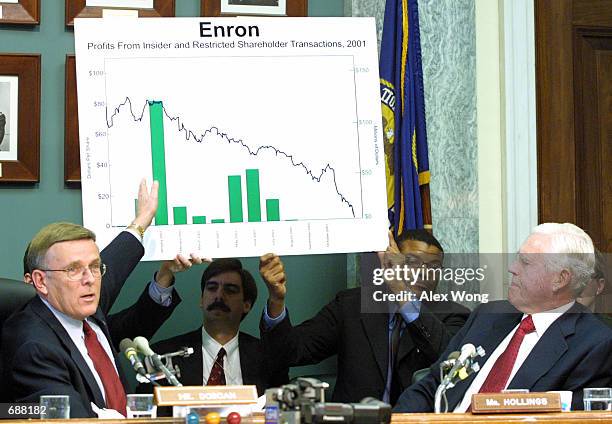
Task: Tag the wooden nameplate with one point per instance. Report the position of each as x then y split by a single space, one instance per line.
506 403
205 395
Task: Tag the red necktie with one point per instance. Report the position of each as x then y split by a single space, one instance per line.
217 375
113 389
499 374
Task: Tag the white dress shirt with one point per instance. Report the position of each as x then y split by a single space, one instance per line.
231 361
74 328
541 321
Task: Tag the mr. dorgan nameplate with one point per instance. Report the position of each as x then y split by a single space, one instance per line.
205 395
515 402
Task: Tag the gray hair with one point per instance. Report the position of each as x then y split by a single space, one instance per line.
572 249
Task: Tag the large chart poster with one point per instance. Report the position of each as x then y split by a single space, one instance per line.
264 133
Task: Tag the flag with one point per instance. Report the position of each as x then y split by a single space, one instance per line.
403 111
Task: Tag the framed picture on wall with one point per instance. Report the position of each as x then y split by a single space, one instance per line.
254 7
97 8
19 117
72 157
20 12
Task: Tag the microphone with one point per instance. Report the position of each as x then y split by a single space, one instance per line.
462 367
467 352
452 358
129 350
142 345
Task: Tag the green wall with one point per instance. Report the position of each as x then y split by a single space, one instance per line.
313 280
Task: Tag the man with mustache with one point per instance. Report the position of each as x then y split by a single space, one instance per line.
223 355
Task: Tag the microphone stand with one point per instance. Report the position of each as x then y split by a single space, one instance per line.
163 364
157 363
459 371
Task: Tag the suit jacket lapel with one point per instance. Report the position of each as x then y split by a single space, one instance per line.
376 327
491 336
249 366
406 345
546 352
192 366
41 309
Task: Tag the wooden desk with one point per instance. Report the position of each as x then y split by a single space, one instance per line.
557 418
577 417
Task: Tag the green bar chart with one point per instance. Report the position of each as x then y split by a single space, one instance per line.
236 212
235 201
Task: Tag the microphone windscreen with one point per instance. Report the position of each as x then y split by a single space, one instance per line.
125 344
454 355
468 349
142 345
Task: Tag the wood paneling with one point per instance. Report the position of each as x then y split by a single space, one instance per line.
555 111
574 114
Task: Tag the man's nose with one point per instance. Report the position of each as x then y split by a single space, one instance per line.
512 269
219 292
88 276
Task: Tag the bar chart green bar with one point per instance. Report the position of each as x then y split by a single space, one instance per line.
253 198
272 209
217 221
180 215
158 156
235 198
198 219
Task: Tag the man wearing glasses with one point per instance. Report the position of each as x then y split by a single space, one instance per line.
59 343
378 352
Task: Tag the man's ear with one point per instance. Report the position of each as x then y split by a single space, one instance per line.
39 281
564 280
601 285
247 306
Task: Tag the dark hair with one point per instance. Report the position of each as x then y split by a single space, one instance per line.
598 271
26 268
419 235
219 266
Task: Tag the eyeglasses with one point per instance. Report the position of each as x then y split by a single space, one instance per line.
75 273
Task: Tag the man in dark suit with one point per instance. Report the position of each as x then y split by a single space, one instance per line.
540 339
222 353
157 301
377 352
60 343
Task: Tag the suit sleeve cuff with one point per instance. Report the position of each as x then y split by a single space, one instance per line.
270 323
134 233
410 311
160 295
